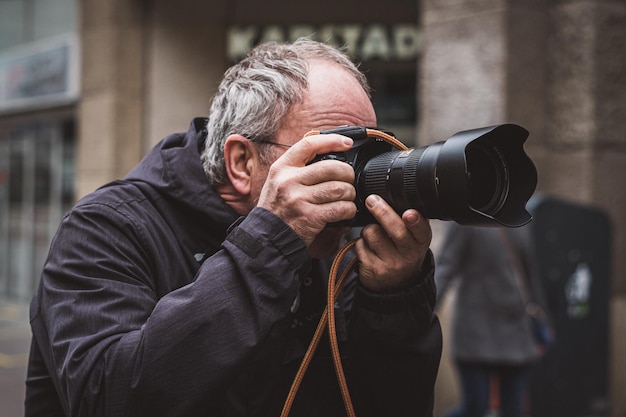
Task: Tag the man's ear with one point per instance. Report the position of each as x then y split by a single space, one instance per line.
240 156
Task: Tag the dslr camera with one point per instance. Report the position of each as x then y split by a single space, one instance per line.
476 177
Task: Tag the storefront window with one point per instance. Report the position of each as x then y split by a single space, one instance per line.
38 87
25 21
394 96
36 188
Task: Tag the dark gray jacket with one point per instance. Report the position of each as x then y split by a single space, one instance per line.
489 319
156 300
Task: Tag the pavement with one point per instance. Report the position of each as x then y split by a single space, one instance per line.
14 346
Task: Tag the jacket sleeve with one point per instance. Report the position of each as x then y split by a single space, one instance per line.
119 349
396 340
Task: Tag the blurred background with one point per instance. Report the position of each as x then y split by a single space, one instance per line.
88 86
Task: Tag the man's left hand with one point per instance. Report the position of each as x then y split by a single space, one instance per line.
391 252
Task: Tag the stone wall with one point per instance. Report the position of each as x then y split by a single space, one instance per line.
110 116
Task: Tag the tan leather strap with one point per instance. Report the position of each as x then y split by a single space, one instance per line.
333 292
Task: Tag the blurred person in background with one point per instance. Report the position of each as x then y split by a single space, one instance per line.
494 271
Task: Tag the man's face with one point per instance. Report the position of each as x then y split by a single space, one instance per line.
334 99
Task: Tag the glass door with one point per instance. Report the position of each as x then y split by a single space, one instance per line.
36 187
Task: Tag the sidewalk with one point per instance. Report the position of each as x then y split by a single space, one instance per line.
14 346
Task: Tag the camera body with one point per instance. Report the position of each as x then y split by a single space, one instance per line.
476 177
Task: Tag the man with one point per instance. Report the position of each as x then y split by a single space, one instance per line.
183 291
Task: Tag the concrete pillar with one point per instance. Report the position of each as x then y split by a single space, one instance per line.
559 69
481 65
111 106
585 144
148 68
186 59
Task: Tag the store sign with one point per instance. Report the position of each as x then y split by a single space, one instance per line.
398 42
40 74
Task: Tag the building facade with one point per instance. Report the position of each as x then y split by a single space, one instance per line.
121 74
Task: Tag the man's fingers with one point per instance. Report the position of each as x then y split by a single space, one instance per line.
326 171
309 196
386 216
392 251
403 232
331 191
419 226
308 147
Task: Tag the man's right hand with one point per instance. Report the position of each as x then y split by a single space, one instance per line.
308 197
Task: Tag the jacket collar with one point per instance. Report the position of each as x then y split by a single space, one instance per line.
174 169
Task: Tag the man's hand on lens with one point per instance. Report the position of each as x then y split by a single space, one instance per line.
391 252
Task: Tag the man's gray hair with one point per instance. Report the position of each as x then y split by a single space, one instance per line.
256 94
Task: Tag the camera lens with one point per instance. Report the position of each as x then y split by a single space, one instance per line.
480 176
488 183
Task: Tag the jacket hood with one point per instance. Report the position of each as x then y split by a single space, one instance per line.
173 168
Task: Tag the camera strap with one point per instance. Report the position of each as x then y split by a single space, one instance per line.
328 316
370 132
327 320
